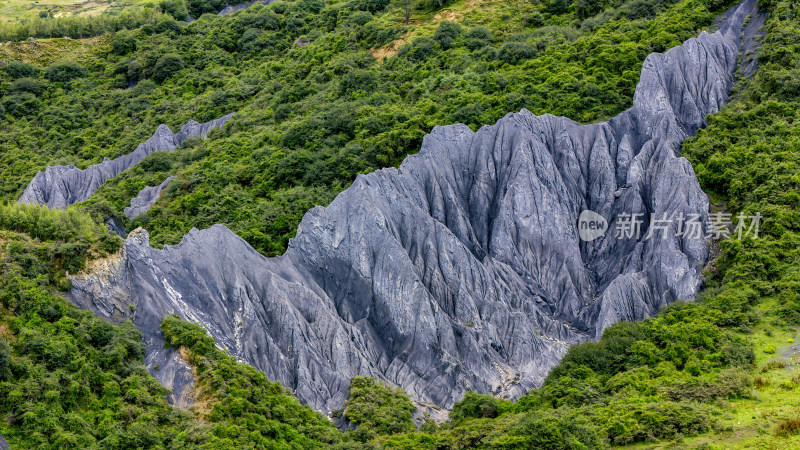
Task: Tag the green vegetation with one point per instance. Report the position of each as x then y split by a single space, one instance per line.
247 409
68 237
378 409
77 27
311 117
71 380
67 378
722 370
692 370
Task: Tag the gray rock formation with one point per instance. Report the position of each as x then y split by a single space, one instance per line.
230 9
113 225
61 186
461 270
146 198
744 18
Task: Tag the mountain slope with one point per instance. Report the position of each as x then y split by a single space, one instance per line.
61 186
462 269
719 371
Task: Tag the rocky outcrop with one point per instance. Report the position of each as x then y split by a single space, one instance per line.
463 269
113 225
745 20
146 198
230 9
61 186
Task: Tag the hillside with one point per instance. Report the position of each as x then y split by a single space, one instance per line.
309 118
455 271
322 92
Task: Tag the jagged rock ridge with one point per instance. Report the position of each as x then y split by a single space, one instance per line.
61 186
146 198
462 269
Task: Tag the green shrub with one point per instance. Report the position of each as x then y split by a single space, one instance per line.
19 69
551 431
166 66
65 71
20 104
625 424
379 408
477 406
446 33
587 8
478 37
557 7
640 9
729 384
29 85
514 52
123 43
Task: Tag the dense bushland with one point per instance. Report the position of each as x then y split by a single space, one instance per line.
314 106
69 379
309 118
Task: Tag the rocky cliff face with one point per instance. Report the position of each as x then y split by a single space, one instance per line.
61 186
146 198
463 269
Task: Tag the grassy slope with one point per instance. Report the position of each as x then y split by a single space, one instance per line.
752 422
48 51
15 10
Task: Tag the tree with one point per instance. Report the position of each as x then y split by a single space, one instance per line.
477 406
166 66
175 8
407 7
446 33
514 52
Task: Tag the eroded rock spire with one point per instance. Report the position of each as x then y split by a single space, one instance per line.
463 269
